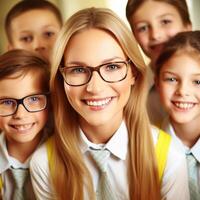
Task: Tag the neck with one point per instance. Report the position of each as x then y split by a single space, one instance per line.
100 134
188 133
22 151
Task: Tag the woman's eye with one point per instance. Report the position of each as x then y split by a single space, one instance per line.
112 67
78 70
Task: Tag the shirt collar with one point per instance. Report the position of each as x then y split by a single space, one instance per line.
117 145
4 158
195 150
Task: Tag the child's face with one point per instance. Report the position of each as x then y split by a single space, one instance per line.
23 127
35 30
154 23
179 88
98 103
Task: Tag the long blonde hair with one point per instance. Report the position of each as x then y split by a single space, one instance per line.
70 175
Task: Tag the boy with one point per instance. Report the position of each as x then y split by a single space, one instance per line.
24 80
33 25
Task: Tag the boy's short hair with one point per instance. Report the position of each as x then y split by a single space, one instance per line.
20 62
24 6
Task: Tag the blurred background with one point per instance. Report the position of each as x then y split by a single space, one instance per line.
68 7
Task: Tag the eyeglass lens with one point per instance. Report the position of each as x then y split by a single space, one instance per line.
109 72
31 103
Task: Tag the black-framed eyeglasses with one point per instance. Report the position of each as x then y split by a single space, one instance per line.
80 75
32 103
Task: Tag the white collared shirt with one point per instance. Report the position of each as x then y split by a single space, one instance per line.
6 162
195 150
174 184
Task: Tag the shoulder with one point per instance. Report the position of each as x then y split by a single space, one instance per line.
39 159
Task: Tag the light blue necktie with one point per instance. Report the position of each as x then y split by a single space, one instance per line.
104 188
193 177
19 177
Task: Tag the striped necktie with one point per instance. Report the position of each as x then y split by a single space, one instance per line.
104 188
193 177
19 177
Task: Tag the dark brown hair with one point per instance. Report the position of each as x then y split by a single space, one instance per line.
180 5
23 61
24 6
186 42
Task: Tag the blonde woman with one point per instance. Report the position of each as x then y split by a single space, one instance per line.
98 86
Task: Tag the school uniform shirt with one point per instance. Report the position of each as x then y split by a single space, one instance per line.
174 183
6 163
195 150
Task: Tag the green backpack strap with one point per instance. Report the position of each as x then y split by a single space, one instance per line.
49 146
162 148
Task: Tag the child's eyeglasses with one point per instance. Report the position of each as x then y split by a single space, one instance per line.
32 103
80 75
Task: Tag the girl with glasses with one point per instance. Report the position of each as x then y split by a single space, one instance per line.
103 145
24 80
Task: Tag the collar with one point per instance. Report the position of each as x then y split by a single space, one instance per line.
4 157
117 145
195 150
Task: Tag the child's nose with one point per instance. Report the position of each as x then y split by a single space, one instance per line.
156 33
21 112
183 89
39 44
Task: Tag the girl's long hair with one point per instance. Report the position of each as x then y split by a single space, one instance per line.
70 175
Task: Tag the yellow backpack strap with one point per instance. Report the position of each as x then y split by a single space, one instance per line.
1 185
49 146
162 148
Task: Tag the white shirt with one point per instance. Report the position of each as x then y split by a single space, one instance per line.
174 185
195 150
6 162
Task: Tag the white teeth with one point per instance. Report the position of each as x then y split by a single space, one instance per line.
22 127
98 103
184 105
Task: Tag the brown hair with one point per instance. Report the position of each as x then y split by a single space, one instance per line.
69 170
180 5
186 42
23 61
24 6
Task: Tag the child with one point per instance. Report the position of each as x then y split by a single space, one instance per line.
178 81
24 80
33 25
99 98
154 23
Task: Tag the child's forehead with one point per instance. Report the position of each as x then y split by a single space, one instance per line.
22 84
37 14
